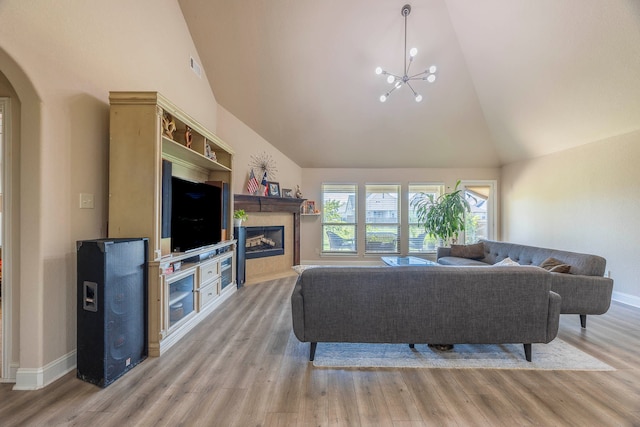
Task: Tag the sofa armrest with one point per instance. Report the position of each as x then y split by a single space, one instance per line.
442 252
583 294
555 301
297 311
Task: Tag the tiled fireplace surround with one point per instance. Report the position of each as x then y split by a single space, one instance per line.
266 211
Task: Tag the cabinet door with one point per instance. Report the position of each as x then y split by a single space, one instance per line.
181 297
226 270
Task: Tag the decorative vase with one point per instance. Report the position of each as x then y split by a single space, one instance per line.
237 222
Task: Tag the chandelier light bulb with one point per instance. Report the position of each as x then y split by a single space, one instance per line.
418 98
391 79
383 98
431 78
413 52
433 69
398 84
379 70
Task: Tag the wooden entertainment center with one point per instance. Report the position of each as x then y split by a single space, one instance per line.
151 142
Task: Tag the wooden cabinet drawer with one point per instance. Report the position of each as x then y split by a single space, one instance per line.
209 271
208 293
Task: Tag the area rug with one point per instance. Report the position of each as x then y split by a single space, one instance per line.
557 355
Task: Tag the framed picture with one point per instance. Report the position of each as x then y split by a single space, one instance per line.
311 206
274 189
287 192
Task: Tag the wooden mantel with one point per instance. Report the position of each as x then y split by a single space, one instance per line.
274 204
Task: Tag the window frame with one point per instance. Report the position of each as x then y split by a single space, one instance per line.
382 246
331 244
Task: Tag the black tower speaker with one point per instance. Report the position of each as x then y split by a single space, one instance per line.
240 233
112 307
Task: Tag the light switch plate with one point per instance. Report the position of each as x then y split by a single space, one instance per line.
86 201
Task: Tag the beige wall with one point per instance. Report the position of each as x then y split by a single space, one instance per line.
585 199
312 180
247 143
63 58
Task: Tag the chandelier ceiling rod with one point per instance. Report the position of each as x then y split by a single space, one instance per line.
399 81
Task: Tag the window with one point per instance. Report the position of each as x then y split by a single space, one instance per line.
479 222
382 222
339 217
419 242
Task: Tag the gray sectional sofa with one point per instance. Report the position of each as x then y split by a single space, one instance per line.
425 305
583 289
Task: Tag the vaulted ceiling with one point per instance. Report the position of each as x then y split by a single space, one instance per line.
516 79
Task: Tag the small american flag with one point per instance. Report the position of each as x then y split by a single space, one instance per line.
264 184
253 184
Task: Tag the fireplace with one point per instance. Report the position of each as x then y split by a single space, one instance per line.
264 241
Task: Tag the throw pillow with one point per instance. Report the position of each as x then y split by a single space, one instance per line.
555 266
475 251
507 262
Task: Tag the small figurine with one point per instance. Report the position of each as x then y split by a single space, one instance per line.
298 192
188 138
168 125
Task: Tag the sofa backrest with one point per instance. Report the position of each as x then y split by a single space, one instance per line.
400 304
585 264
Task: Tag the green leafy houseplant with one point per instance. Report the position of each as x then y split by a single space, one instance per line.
442 217
239 215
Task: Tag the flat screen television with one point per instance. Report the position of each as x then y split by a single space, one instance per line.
196 210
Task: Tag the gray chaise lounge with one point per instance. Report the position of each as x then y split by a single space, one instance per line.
422 305
584 290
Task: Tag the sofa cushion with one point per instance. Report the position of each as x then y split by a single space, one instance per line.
474 251
555 265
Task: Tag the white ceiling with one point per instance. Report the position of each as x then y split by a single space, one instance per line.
516 78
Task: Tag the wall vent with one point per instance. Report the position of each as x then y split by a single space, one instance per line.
195 67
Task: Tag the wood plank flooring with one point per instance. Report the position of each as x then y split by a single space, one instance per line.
243 366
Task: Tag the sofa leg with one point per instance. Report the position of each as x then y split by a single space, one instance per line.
412 346
527 352
583 320
312 351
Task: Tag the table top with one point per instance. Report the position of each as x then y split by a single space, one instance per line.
400 261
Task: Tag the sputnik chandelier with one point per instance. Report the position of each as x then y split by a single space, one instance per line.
399 81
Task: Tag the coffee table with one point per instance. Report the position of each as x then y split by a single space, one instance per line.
401 261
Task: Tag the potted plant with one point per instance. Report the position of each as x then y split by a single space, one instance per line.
442 217
239 215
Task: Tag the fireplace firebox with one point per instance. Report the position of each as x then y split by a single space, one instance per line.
264 241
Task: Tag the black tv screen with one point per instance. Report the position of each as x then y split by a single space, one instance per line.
195 215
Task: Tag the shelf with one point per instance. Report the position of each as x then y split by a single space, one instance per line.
175 151
175 297
313 214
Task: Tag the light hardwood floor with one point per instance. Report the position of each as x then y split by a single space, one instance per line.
242 366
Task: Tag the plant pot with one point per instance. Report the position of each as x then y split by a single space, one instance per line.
237 222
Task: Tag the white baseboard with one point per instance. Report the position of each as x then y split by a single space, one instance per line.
627 299
37 378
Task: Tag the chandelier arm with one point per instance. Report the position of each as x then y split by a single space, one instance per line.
412 90
406 72
417 76
394 75
393 89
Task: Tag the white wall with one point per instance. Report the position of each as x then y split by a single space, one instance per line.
585 199
312 179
